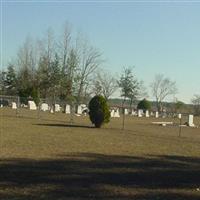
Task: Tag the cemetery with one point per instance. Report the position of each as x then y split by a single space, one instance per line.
77 156
109 115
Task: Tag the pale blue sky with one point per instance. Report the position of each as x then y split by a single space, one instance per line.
154 37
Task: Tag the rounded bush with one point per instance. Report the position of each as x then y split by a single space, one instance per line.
144 105
99 111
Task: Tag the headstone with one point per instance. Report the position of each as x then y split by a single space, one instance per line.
151 113
51 110
79 110
44 107
190 121
179 116
57 108
157 114
133 113
116 113
126 111
112 113
147 113
67 109
32 105
140 113
14 105
1 105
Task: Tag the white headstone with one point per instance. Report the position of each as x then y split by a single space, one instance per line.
67 109
157 114
140 113
79 110
112 113
1 105
133 113
32 105
179 116
51 110
14 105
147 113
116 113
57 108
126 111
44 107
190 121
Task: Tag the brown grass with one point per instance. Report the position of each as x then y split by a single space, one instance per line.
51 158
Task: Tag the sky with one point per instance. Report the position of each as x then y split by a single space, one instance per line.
156 37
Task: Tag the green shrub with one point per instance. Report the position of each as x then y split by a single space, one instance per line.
99 111
27 93
144 105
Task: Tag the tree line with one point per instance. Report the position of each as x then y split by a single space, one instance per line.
65 68
68 68
52 68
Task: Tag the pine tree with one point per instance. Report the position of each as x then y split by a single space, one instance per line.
10 81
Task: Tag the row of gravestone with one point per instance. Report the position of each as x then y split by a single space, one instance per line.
139 113
83 108
57 108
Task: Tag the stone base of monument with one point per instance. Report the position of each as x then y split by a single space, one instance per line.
162 123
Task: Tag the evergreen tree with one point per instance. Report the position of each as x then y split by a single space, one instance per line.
144 105
10 81
129 85
99 111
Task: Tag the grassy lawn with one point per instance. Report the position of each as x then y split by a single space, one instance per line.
51 158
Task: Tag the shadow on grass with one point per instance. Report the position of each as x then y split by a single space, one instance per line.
98 176
66 125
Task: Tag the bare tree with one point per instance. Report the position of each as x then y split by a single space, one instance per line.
64 45
105 84
161 88
96 88
196 103
89 60
26 63
142 92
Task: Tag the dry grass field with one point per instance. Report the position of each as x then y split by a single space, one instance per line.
51 158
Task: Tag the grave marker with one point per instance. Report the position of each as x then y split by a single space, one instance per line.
190 121
140 113
44 107
79 110
57 108
14 105
67 109
32 105
157 114
147 113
